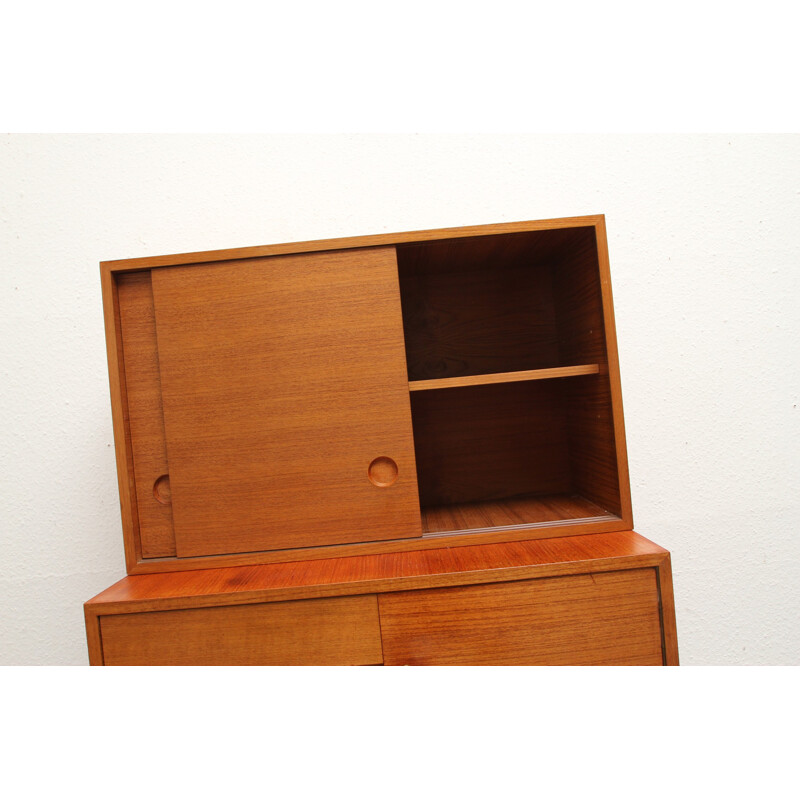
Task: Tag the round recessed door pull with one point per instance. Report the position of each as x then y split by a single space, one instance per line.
161 490
382 471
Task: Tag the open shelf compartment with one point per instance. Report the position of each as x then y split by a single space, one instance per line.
508 374
515 455
502 304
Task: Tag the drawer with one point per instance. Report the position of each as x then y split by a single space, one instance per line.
609 618
328 631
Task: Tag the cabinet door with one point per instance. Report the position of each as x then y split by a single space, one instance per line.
286 407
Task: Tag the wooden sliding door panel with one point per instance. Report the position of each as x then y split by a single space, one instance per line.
145 414
331 631
609 618
286 403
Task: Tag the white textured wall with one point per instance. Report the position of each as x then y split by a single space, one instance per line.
705 263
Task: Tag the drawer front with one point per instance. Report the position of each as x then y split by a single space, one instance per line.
329 631
608 618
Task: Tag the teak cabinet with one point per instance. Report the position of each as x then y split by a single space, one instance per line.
400 396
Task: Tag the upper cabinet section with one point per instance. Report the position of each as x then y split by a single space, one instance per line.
366 395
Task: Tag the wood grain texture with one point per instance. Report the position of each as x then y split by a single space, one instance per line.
595 619
152 637
119 415
470 305
577 297
444 566
145 412
593 465
279 363
283 379
556 249
578 294
509 512
479 305
504 377
430 540
93 641
332 631
375 240
481 443
615 386
669 628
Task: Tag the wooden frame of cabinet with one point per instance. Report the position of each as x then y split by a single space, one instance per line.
494 347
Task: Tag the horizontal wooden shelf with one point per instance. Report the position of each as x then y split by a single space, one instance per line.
504 377
512 512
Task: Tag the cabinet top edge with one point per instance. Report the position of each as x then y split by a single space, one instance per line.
390 571
349 242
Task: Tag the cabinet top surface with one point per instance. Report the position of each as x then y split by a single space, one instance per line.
386 571
374 240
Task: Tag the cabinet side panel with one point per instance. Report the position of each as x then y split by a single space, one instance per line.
577 286
93 639
119 414
330 631
596 619
614 383
286 404
145 414
593 455
668 613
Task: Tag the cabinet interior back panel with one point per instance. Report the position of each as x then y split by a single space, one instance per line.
488 442
488 304
283 380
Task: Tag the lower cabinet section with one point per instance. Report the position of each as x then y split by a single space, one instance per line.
336 630
605 618
604 599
